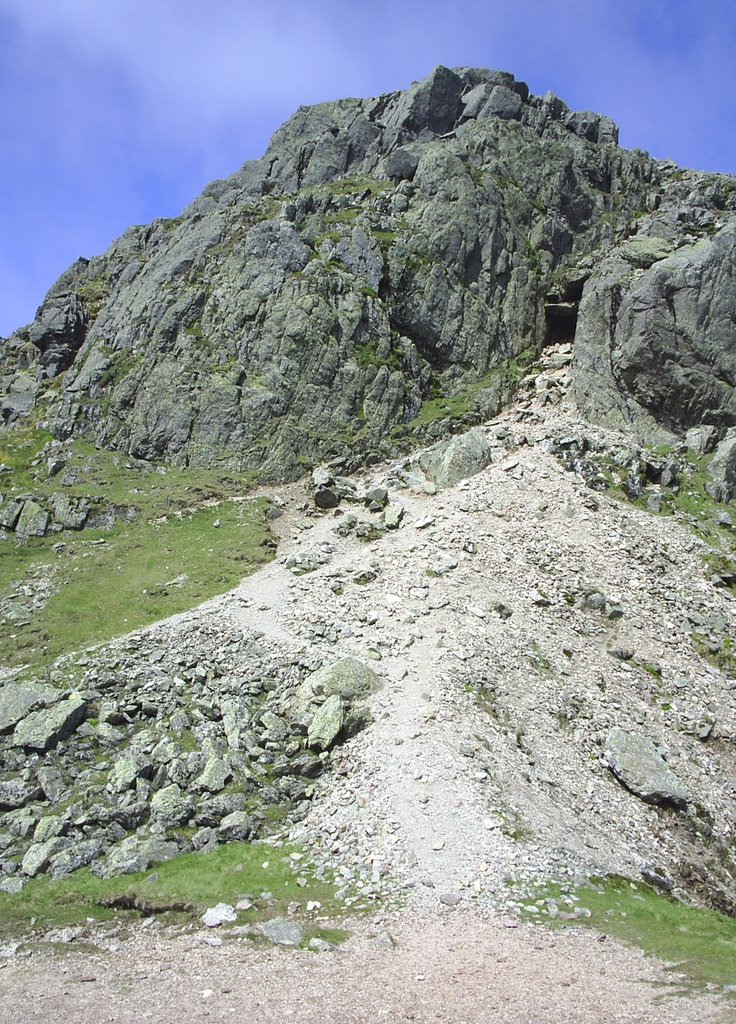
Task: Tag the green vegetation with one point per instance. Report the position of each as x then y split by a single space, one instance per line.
720 653
183 887
698 943
93 293
111 582
163 555
370 354
503 379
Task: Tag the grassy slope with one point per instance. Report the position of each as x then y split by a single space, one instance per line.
109 582
184 887
700 944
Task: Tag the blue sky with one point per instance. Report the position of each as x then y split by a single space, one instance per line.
113 112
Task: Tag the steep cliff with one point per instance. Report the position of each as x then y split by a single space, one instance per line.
380 275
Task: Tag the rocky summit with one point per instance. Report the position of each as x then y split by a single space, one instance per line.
480 362
381 275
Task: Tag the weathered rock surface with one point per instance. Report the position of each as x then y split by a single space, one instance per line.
456 459
18 700
638 764
372 279
654 348
282 932
44 729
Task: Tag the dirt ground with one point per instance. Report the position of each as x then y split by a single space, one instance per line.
450 968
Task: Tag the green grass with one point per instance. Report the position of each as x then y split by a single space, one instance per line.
698 943
141 573
462 402
109 582
185 887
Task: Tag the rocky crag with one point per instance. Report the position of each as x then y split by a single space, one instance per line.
378 277
498 656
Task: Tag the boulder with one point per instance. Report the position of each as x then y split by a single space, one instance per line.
347 678
19 699
79 855
39 854
462 456
15 793
327 724
42 730
215 916
170 807
33 521
236 827
722 470
282 932
127 770
134 854
636 762
216 775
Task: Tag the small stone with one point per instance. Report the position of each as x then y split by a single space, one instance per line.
451 899
220 914
384 940
282 932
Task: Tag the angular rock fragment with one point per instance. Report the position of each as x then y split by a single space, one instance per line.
637 763
42 730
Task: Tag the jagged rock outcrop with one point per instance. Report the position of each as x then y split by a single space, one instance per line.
374 276
655 345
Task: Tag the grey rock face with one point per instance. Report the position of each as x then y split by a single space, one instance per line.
722 470
42 730
384 257
655 349
637 763
19 699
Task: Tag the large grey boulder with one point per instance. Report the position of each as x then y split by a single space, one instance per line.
128 769
327 724
722 470
462 456
171 807
42 730
656 349
236 827
282 932
18 699
346 678
135 854
33 520
70 859
15 793
39 855
636 762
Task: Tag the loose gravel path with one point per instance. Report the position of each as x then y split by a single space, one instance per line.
452 968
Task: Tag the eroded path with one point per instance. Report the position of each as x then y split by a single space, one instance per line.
453 968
